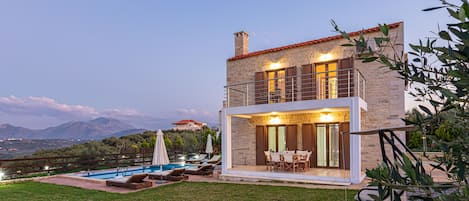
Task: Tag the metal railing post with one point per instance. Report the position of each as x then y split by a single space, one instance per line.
247 94
359 84
364 89
292 90
268 92
348 83
227 97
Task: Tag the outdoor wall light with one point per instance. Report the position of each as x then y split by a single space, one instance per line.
325 57
274 120
326 117
46 167
275 65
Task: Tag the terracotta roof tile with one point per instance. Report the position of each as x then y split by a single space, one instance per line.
311 42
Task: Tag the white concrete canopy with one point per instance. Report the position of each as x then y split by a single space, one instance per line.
353 104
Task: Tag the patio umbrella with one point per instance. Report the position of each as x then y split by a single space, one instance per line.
209 148
160 156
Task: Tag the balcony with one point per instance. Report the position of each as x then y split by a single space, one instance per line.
342 83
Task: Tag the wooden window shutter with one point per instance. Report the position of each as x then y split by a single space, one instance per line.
345 77
292 141
308 91
260 88
344 128
261 145
291 84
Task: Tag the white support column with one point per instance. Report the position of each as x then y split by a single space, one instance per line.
355 142
226 141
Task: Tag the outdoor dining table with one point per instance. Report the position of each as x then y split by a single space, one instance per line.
279 161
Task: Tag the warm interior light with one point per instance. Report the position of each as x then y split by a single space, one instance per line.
325 57
275 65
275 120
326 117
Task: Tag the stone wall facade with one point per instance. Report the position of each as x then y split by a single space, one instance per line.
384 94
244 136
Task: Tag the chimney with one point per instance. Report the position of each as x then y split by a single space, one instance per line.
241 43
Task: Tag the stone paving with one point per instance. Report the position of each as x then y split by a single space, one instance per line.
101 185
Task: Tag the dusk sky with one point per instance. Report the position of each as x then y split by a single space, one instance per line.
153 62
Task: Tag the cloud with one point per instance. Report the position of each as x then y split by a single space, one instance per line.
25 111
44 106
193 112
41 112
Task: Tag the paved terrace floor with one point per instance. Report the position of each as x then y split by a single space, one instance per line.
438 176
340 173
101 185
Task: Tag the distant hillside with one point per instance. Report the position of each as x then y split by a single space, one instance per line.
95 129
7 130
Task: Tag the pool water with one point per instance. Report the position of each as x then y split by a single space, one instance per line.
123 172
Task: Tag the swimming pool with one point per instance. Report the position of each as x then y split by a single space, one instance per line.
123 172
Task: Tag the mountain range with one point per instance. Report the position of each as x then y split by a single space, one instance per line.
94 129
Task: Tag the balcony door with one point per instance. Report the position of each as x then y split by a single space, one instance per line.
275 86
326 80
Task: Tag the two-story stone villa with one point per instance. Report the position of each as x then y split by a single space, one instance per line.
308 96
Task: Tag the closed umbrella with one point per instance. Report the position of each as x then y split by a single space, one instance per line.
209 148
160 155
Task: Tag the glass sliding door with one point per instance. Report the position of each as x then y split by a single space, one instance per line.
277 138
321 145
282 142
334 148
327 145
272 138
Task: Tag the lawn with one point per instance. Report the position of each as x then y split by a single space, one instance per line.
181 191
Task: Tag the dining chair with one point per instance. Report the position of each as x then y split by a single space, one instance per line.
277 160
290 162
268 160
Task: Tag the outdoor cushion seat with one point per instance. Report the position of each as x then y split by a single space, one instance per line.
215 159
171 175
133 182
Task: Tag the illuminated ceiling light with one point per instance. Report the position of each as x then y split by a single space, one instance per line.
274 120
325 57
275 65
326 117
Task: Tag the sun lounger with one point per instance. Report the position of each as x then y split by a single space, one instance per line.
133 182
171 175
215 159
198 160
206 169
